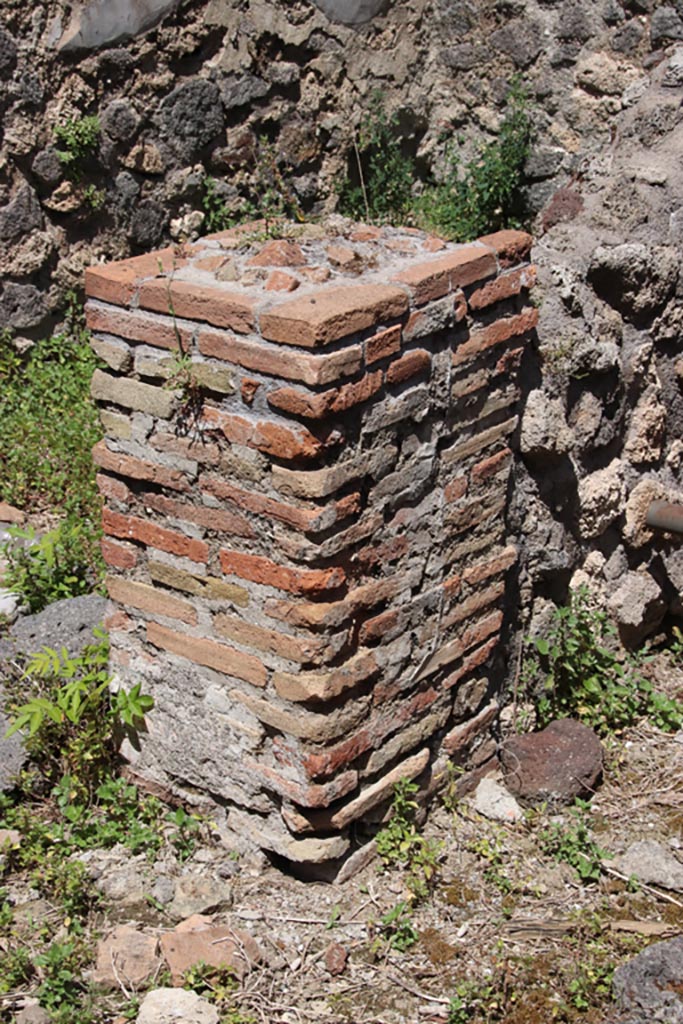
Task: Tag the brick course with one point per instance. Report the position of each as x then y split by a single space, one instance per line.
312 558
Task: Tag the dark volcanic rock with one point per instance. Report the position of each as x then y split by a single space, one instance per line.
192 116
652 983
68 623
558 764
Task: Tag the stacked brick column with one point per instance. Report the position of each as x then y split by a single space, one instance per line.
304 513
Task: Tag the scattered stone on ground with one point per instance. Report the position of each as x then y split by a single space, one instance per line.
125 956
557 764
176 1006
650 862
67 623
495 802
199 939
13 756
652 983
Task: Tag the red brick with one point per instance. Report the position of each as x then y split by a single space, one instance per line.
495 334
365 233
462 735
433 244
409 365
216 306
482 630
118 622
133 528
438 277
301 794
111 488
210 653
382 345
511 246
197 449
149 599
509 361
159 331
118 282
215 519
474 603
366 559
281 282
118 556
373 630
343 256
489 467
503 287
332 614
138 469
332 314
265 436
501 561
326 685
278 253
452 586
258 569
456 488
307 519
469 663
318 406
317 274
328 762
297 366
304 650
248 389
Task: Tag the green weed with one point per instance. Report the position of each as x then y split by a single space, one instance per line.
587 679
78 138
396 929
217 215
64 562
573 844
400 842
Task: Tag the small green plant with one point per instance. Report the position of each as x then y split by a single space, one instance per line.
396 929
217 216
74 725
61 969
573 844
587 679
487 193
400 842
492 851
56 565
94 197
379 185
219 986
78 139
185 833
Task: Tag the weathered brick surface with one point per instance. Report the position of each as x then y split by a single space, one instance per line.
307 548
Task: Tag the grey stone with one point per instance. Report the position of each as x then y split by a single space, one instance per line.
147 223
652 983
628 37
665 24
192 116
127 189
521 40
176 1006
199 894
21 215
13 756
21 305
68 623
30 89
495 802
47 166
119 121
673 75
283 73
634 278
637 606
651 863
238 90
8 54
574 24
601 495
461 57
544 162
9 605
559 763
96 23
352 12
544 429
32 1013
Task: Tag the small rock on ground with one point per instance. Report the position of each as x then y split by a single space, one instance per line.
653 982
651 863
198 938
176 1006
126 956
494 802
558 764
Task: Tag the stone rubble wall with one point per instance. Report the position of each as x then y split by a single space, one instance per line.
304 520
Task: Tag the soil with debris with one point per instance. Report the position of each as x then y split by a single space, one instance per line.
507 932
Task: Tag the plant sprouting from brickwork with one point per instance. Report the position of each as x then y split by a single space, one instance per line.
78 138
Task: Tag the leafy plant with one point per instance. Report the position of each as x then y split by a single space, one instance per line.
74 725
486 193
61 967
217 216
78 138
397 929
400 842
573 844
492 852
379 185
56 565
49 424
587 679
